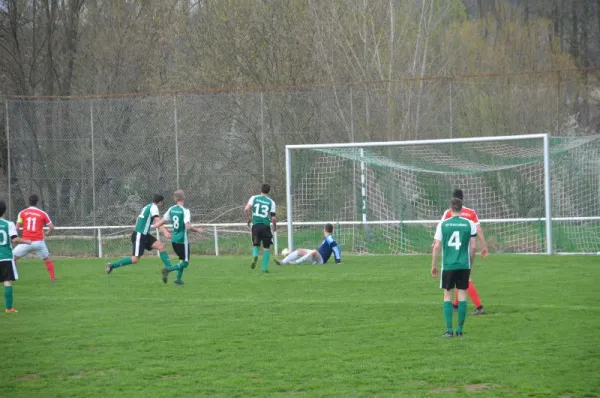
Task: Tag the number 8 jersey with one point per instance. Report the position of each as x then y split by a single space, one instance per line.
178 216
33 220
263 208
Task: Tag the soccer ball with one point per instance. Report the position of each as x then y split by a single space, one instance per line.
285 252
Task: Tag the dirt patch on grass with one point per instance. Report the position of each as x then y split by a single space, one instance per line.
479 387
443 390
467 388
27 377
83 374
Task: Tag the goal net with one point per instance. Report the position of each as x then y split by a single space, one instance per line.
387 198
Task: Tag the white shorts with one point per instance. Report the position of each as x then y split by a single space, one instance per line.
37 247
317 259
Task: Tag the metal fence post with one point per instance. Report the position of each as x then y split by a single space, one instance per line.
216 240
8 161
100 243
176 139
262 133
93 163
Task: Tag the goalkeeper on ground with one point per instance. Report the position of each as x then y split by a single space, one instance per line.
320 256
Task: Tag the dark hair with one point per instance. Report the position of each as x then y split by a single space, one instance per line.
2 208
329 228
265 188
456 205
33 200
158 198
458 194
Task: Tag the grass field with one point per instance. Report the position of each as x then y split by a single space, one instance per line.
371 326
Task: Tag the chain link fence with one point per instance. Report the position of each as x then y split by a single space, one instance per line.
96 161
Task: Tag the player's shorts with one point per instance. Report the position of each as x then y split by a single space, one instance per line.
182 250
458 278
317 259
262 233
38 247
8 271
141 242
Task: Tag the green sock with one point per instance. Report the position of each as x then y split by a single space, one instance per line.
255 250
448 315
266 257
180 267
122 262
8 296
462 315
166 261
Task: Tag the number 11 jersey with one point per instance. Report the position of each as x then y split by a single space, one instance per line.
33 220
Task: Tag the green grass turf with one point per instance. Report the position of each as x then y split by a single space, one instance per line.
369 327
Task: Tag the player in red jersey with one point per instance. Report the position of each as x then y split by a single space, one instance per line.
470 214
33 221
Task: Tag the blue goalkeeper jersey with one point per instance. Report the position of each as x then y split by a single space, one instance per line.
329 247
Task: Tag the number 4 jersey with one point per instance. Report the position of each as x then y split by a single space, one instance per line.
33 220
263 208
455 234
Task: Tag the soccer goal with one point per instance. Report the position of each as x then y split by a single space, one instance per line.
533 193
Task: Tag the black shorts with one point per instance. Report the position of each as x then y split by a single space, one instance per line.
182 250
262 233
458 278
141 242
8 271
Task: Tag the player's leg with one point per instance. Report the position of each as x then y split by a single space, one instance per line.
446 283
154 244
310 256
255 244
137 243
8 272
42 251
183 263
290 258
474 295
267 240
20 251
462 282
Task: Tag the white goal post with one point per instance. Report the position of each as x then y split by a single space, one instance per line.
387 197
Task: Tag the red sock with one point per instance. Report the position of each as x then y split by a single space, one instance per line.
472 292
50 268
455 300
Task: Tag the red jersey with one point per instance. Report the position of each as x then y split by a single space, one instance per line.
33 220
467 213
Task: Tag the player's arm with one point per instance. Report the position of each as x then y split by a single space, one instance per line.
14 236
248 210
484 248
160 224
273 216
50 229
473 242
19 222
187 219
337 253
472 248
437 246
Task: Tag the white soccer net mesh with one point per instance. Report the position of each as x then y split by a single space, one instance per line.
407 188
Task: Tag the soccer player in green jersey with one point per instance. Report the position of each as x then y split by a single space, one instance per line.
456 238
261 213
141 239
181 219
8 269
